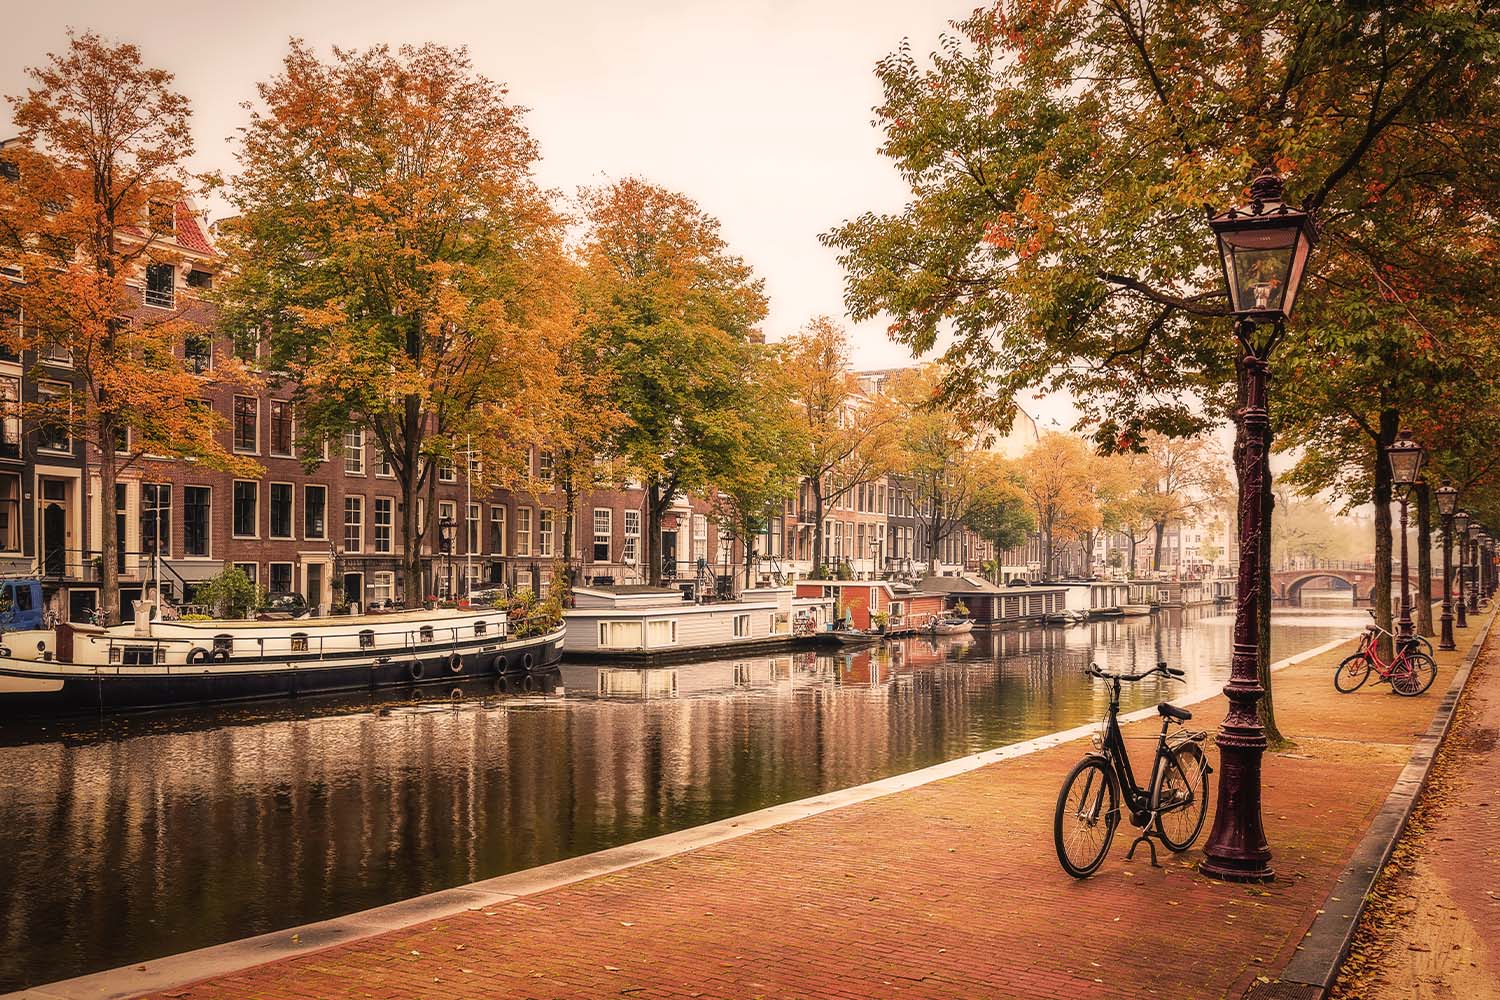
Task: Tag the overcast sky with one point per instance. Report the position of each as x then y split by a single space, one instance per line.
759 109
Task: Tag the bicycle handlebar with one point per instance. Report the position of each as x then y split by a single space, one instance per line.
1095 670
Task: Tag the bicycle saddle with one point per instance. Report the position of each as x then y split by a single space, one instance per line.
1173 712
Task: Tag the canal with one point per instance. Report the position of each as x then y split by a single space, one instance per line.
132 837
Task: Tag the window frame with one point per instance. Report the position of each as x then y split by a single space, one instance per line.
358 500
291 517
234 507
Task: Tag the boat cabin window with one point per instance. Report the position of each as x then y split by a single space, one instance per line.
367 639
139 656
299 642
424 634
224 641
480 628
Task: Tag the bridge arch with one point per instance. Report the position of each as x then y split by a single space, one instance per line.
1291 590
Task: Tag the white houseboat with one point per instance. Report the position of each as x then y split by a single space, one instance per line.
652 624
83 668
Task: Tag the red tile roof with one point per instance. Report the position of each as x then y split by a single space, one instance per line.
190 234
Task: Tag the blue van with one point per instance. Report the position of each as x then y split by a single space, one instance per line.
22 603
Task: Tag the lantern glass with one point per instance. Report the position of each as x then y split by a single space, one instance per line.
1264 248
1447 498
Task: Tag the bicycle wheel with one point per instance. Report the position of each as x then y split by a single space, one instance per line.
1182 798
1415 676
1352 673
1088 810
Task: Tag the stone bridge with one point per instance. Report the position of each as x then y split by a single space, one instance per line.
1287 584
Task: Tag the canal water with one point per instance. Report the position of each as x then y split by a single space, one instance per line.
133 837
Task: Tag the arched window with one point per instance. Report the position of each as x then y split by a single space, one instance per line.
424 634
367 639
480 628
224 641
299 642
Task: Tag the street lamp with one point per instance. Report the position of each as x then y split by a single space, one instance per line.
1264 248
445 548
1461 529
1405 456
1447 501
1474 532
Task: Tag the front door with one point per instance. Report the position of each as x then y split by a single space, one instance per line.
669 554
354 588
314 593
54 538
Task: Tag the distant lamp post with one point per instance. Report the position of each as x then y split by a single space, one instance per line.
1447 501
1405 456
1461 529
1486 565
1474 532
445 548
1263 247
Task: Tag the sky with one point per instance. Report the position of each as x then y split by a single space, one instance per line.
760 110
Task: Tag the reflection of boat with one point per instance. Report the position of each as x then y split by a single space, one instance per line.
1066 617
849 636
1135 610
951 626
151 663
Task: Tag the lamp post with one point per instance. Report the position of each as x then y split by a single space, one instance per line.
1263 248
1405 456
1486 565
445 547
1461 529
1474 532
1447 501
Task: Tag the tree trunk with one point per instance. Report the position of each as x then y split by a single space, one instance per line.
1390 420
1424 559
1130 569
1047 551
652 547
1160 528
109 540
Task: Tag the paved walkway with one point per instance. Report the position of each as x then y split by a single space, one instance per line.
1433 927
947 890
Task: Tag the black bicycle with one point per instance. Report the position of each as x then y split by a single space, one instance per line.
1171 808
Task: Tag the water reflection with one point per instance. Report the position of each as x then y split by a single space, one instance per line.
134 837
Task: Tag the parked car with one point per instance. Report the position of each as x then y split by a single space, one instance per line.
279 606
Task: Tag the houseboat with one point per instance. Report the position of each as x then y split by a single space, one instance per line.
993 607
873 605
153 663
1097 598
644 624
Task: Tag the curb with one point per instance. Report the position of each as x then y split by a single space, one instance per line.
234 956
1319 958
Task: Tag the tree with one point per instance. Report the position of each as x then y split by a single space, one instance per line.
848 438
1001 513
1054 475
393 243
937 456
1185 477
673 312
98 182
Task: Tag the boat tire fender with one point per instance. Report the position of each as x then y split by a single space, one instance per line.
455 663
414 670
219 656
197 655
499 664
526 661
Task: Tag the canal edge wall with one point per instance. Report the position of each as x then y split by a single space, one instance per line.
232 956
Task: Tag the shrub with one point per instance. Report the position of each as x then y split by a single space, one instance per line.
231 594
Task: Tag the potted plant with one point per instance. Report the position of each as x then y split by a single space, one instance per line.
880 620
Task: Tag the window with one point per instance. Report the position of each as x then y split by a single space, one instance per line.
281 428
383 467
52 432
247 343
197 504
251 570
661 632
385 519
246 517
299 642
545 467
544 531
630 552
424 634
480 628
383 586
57 354
472 534
497 530
246 423
446 472
354 523
281 510
281 578
161 285
603 528
354 451
447 511
314 508
156 518
10 416
200 279
620 635
139 656
10 514
367 638
700 537
741 626
198 351
523 531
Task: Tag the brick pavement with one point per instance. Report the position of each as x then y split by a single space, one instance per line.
947 890
1433 929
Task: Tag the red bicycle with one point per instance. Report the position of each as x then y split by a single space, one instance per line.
1409 673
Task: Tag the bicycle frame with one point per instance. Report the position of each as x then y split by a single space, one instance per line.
1370 649
1117 759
